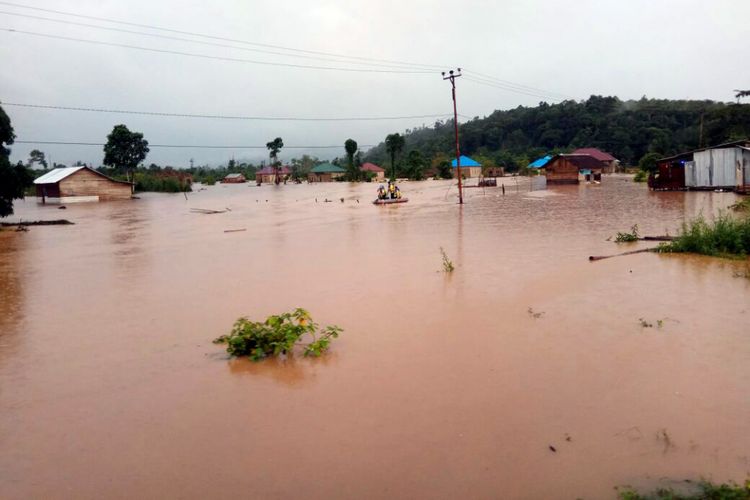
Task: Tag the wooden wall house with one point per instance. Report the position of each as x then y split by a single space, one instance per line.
78 184
268 174
567 169
234 179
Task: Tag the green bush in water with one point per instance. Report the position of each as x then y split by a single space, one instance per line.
277 335
727 236
161 184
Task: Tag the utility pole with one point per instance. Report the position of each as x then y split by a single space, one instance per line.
452 77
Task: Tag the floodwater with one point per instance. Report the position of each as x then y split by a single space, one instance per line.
442 385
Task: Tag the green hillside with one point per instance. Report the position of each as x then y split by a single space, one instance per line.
627 129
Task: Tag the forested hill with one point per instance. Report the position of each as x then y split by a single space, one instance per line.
627 129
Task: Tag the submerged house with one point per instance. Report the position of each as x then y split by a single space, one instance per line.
325 172
78 184
268 174
608 162
469 167
379 172
234 179
571 169
725 166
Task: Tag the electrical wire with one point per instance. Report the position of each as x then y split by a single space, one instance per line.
204 56
225 39
503 87
504 84
200 42
518 86
221 117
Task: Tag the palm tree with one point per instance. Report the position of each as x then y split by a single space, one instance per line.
394 144
274 147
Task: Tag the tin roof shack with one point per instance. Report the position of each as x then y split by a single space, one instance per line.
78 184
724 166
378 172
469 167
234 179
608 162
719 168
268 174
566 169
325 172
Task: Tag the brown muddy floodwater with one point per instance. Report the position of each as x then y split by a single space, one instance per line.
441 385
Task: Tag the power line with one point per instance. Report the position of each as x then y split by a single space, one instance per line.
505 84
200 42
509 89
515 85
195 146
220 117
213 37
204 56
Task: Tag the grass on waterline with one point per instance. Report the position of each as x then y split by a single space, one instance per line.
705 491
726 236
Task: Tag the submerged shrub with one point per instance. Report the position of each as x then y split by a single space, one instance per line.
627 237
727 236
447 263
277 335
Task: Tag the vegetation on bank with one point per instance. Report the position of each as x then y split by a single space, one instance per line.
14 180
277 335
726 236
704 490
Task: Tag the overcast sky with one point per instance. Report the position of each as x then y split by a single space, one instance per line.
658 48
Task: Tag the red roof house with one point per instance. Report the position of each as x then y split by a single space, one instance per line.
371 167
609 162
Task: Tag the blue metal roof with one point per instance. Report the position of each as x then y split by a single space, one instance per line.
466 162
540 162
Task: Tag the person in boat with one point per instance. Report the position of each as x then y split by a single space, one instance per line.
398 193
381 192
392 190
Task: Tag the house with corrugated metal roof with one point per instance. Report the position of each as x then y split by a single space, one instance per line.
724 166
608 162
325 172
469 167
78 184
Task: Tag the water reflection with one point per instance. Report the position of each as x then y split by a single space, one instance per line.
12 293
291 370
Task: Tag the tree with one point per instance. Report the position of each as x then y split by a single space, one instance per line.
648 162
394 144
415 164
125 149
273 152
13 179
37 156
351 148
